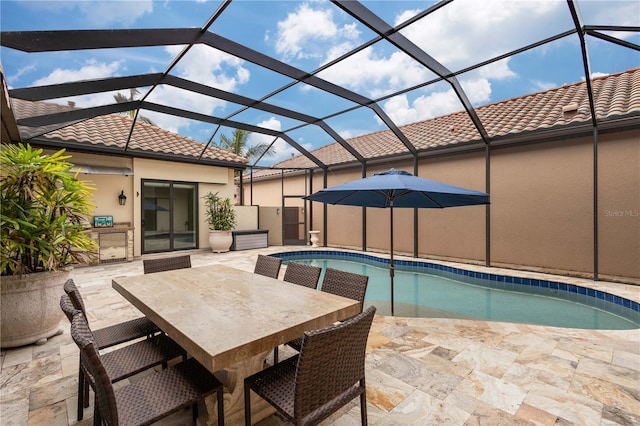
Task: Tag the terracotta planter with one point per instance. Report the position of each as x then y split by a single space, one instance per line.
31 308
220 241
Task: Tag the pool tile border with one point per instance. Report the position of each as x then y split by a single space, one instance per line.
417 266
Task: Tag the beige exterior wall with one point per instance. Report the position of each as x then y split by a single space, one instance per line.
619 204
271 218
541 206
541 213
271 192
210 178
108 187
269 197
246 217
458 232
344 222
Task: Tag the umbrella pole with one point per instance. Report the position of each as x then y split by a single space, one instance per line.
391 267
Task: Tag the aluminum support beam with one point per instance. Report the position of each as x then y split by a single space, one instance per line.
376 24
61 40
577 21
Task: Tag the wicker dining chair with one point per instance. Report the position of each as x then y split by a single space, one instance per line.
327 374
345 284
150 398
301 274
123 362
166 264
341 283
268 266
114 334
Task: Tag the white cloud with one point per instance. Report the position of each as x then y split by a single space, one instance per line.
300 32
285 151
376 75
467 26
467 31
622 13
459 35
435 104
497 71
90 70
281 147
258 138
401 111
22 71
478 90
204 65
272 123
210 66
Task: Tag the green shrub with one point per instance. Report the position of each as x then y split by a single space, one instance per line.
43 212
219 212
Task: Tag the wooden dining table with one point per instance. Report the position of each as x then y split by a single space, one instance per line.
229 320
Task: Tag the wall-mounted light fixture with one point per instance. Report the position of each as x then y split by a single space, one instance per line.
122 199
277 211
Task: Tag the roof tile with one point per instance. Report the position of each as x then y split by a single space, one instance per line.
113 131
614 95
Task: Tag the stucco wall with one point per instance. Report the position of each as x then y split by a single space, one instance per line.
344 222
619 204
541 206
246 217
457 232
210 178
108 187
541 212
271 218
447 233
271 192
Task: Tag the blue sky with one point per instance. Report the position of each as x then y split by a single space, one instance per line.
310 34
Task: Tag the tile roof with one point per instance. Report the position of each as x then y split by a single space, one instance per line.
112 131
615 96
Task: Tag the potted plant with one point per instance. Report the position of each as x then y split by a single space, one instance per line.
221 218
43 218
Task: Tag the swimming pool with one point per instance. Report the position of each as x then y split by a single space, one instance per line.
424 289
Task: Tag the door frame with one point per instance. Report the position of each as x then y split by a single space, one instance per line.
171 184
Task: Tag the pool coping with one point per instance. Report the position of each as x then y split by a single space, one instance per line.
623 295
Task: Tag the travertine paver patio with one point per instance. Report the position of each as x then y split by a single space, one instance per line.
420 371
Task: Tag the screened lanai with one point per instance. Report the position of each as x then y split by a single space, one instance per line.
304 75
328 88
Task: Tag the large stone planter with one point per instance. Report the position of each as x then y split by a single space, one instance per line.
31 307
220 241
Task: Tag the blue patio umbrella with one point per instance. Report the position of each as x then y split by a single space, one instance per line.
397 188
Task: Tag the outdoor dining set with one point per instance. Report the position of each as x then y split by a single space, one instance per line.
205 338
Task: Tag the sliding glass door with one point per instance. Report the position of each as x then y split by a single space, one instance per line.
169 216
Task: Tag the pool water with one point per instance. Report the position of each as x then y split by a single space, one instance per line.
421 290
